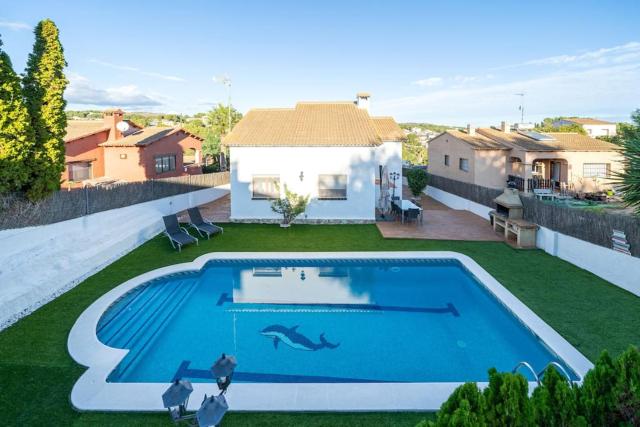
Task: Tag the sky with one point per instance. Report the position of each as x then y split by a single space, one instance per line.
445 62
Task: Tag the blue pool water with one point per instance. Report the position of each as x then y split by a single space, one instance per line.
319 321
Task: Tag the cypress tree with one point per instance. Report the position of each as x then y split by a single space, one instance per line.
16 135
43 85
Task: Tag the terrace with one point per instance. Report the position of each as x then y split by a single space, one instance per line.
589 312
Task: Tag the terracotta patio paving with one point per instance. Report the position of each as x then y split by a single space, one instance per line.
441 223
217 211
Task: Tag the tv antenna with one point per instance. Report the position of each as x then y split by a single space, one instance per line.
521 107
226 81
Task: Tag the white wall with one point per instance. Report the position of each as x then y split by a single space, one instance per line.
39 263
360 164
459 203
620 269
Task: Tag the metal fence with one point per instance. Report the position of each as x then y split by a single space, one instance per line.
17 212
591 226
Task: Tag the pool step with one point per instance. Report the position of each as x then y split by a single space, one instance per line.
123 329
155 325
111 329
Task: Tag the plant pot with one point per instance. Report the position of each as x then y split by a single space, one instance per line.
284 225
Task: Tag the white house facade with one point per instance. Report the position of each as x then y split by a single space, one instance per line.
334 152
593 127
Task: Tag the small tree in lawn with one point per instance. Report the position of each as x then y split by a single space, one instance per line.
417 180
289 206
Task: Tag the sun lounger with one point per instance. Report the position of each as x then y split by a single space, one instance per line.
178 236
203 227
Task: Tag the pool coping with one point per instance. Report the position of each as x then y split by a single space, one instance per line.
92 392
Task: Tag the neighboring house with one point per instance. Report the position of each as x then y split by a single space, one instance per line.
114 149
593 127
489 156
334 152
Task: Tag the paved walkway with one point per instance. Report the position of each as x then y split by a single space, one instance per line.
441 223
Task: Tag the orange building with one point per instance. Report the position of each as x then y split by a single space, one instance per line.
115 149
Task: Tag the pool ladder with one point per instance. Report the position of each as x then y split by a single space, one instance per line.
540 374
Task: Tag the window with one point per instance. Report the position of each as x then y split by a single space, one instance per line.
332 187
79 171
464 165
165 163
596 170
265 187
446 160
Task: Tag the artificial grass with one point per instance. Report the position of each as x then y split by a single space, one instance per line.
37 374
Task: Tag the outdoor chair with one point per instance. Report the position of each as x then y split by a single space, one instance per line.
178 236
411 215
203 227
396 210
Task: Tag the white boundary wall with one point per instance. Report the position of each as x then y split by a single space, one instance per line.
39 263
620 269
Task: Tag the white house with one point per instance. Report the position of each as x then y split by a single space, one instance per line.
335 152
593 127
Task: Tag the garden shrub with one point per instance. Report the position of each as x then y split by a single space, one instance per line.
555 402
417 180
507 400
609 396
465 407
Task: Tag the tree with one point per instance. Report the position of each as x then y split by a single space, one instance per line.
413 151
417 180
547 126
289 206
218 119
629 178
465 407
44 84
16 135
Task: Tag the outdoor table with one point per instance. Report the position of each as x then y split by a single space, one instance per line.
405 205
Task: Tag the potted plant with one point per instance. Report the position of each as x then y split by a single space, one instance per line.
289 206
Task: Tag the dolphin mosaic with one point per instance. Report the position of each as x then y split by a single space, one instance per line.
294 339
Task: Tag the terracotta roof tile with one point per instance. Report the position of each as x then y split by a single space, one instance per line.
587 121
477 141
562 141
387 129
312 124
141 137
81 128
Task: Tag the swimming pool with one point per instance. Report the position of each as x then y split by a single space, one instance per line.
356 321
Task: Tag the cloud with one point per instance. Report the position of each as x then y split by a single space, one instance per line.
610 90
617 54
429 82
137 70
15 25
81 91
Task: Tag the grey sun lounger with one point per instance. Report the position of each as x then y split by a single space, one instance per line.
178 236
203 227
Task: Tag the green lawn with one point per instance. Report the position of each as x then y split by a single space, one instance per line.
37 374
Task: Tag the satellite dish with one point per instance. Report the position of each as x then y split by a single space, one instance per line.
122 126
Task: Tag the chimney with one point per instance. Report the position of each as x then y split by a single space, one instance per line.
111 119
505 127
471 130
362 100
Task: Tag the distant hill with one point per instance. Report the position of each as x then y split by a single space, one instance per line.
429 126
